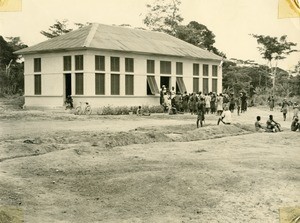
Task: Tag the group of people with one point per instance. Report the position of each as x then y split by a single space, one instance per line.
273 126
174 102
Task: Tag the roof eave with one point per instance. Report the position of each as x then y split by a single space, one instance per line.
92 48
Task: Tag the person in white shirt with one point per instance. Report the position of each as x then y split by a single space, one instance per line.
225 117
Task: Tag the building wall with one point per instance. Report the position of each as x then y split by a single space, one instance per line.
53 80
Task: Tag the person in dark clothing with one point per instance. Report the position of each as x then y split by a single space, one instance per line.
272 125
69 102
295 125
243 102
200 112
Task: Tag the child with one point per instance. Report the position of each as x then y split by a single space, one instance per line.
258 126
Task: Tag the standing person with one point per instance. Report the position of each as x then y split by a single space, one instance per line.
284 108
207 103
231 103
243 102
185 101
213 103
238 102
225 117
200 112
167 102
193 102
219 101
271 102
161 93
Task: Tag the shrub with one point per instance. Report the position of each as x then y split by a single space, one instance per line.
124 110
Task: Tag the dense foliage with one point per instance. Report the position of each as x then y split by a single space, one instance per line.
11 66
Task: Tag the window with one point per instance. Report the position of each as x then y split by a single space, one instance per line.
205 85
150 66
196 69
179 69
180 86
129 65
115 64
196 85
165 67
205 70
215 85
37 84
215 70
67 63
115 84
79 83
79 62
100 84
37 65
100 63
152 88
129 85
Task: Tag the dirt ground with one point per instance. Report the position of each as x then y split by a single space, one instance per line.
58 167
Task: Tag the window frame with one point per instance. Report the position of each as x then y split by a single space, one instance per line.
179 68
150 66
205 70
129 84
37 64
214 70
37 84
165 67
67 63
129 65
79 89
194 79
196 69
99 83
115 63
113 89
79 62
99 63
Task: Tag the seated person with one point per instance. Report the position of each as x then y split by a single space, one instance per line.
69 102
139 112
295 125
225 116
258 125
272 125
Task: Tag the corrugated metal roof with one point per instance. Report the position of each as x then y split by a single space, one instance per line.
99 36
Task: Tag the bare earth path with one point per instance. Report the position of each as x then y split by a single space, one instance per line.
119 169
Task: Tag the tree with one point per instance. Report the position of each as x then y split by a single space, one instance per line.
273 49
198 35
11 66
163 16
57 29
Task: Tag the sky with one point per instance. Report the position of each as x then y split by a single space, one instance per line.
230 20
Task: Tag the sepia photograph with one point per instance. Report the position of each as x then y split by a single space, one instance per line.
149 111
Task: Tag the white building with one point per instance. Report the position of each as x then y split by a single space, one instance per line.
111 65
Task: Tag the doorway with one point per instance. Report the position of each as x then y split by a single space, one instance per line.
68 85
165 81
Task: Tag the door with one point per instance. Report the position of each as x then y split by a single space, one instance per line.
68 85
